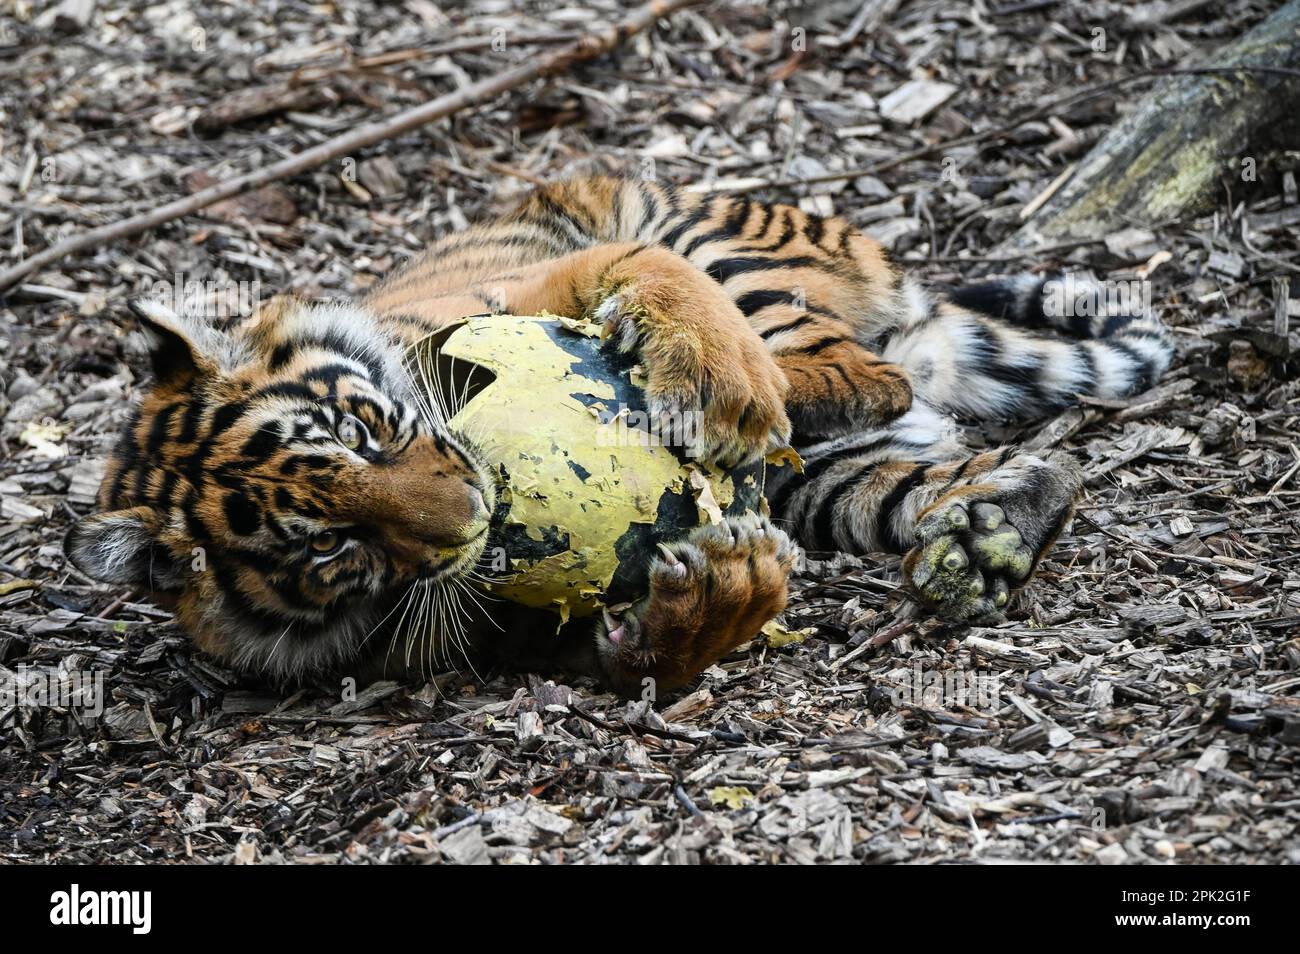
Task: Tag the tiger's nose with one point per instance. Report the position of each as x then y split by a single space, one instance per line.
479 509
477 505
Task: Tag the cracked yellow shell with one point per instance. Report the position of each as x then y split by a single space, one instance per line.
588 488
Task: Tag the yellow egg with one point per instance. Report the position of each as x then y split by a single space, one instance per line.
588 484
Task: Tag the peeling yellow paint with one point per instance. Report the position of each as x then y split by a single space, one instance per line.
568 473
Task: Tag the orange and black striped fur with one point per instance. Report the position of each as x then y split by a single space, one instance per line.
287 483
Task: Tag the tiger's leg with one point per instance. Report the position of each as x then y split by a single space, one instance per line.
839 386
708 371
823 296
817 291
972 526
708 592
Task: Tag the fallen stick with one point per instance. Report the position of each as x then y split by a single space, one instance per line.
1168 156
1015 656
587 48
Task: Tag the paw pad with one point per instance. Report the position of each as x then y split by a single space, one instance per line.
988 516
950 520
968 560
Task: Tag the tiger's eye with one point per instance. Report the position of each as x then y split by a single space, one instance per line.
327 541
351 432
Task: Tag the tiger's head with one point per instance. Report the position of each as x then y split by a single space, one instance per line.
286 484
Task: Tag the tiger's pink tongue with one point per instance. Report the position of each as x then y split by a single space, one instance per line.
615 635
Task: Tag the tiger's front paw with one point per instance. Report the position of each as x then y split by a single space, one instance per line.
709 593
713 387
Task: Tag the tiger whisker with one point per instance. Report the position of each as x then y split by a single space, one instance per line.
434 391
428 394
406 601
271 656
417 628
401 627
396 604
446 631
460 634
429 629
468 591
431 392
445 626
451 371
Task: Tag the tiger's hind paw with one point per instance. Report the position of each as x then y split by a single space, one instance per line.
969 560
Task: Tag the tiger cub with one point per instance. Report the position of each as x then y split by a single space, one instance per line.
291 451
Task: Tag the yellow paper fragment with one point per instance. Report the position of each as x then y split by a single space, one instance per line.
733 796
702 491
778 636
582 326
45 438
785 455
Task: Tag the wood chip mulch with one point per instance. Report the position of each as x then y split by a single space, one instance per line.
1145 700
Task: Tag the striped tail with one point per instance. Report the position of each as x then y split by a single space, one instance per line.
995 350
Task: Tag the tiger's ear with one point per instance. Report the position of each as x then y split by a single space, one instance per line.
177 358
263 325
120 546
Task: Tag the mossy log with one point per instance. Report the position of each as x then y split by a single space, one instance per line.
1164 158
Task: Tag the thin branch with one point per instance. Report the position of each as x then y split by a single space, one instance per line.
998 132
588 47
